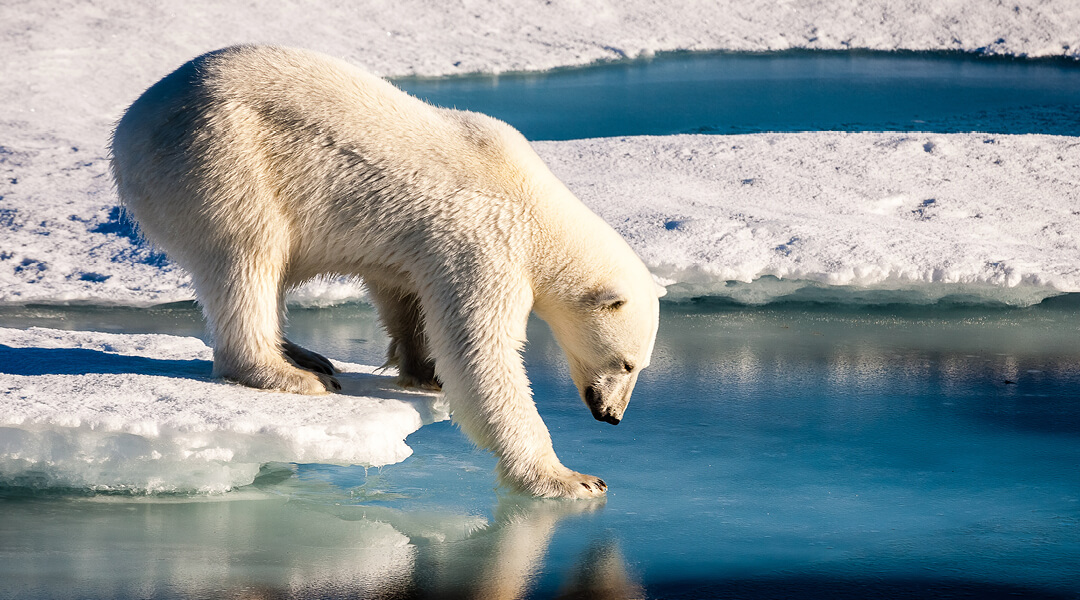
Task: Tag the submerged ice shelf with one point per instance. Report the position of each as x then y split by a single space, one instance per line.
140 413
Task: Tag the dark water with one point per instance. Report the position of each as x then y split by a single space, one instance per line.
797 91
792 451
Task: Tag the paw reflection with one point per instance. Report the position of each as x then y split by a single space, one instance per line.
506 559
601 574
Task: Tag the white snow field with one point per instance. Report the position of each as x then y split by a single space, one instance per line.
922 216
990 217
70 68
752 217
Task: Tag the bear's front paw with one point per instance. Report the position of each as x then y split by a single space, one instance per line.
284 379
580 485
565 483
299 381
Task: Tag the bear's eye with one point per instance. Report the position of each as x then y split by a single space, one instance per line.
629 368
605 299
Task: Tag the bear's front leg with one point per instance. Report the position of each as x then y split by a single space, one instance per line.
478 360
503 418
508 424
527 462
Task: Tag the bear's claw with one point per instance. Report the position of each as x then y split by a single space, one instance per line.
569 485
330 382
306 359
431 385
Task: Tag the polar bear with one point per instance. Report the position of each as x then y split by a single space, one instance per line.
257 168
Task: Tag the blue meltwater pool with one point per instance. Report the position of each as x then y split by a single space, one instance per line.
792 91
796 450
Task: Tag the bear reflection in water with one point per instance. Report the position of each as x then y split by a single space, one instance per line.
503 560
271 546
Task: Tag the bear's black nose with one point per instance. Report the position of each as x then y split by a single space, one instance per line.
611 419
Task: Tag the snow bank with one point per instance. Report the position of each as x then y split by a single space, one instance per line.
919 216
141 413
862 216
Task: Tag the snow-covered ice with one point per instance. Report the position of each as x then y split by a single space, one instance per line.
141 413
987 217
990 217
70 69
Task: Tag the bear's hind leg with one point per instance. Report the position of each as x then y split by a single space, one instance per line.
403 319
242 303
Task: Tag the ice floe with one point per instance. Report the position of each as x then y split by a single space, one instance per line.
908 217
140 413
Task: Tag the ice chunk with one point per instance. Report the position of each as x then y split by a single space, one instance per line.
141 413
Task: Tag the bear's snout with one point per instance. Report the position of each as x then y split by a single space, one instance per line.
594 400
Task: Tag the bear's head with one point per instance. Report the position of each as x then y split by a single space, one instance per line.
607 332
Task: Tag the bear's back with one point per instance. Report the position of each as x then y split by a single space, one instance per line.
252 90
256 134
296 106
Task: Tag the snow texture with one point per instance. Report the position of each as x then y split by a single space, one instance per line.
140 413
985 217
70 69
921 216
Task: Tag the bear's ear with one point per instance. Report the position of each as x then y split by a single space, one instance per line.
607 299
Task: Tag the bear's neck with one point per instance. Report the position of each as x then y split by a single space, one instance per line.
573 254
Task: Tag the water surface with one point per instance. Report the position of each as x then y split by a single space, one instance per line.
795 450
792 91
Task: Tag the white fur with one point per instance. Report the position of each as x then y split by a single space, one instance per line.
257 168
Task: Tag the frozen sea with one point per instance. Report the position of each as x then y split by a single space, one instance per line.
865 380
